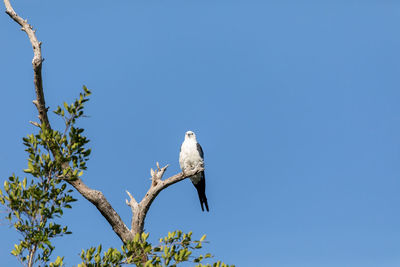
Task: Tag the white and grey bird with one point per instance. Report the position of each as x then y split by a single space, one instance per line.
191 156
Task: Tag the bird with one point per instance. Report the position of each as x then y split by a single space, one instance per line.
191 156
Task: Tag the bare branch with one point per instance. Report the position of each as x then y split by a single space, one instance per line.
181 176
34 123
157 185
31 255
135 210
99 200
36 61
132 202
157 174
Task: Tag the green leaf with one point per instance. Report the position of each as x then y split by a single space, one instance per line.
59 261
6 185
149 263
136 238
145 236
97 258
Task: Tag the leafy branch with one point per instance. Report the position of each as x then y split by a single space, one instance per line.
173 249
32 206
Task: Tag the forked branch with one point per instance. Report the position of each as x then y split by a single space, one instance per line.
139 210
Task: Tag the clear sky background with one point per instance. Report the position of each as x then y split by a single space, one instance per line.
296 105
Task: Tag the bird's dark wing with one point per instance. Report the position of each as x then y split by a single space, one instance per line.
200 150
201 191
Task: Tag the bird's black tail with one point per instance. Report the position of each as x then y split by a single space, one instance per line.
203 200
201 190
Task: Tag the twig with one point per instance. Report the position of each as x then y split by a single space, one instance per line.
31 255
34 123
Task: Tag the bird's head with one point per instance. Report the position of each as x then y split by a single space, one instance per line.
190 135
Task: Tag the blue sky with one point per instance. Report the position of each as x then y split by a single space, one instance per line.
296 105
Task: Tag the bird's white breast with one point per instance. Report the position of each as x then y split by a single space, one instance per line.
189 157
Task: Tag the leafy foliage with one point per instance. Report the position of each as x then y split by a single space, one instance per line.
72 143
31 210
32 207
173 249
